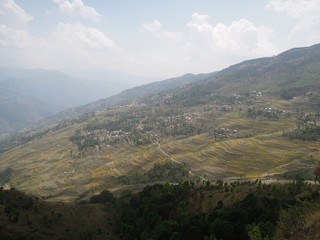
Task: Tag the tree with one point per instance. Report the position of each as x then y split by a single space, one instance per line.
255 233
104 197
316 172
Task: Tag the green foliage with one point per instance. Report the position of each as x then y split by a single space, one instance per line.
305 133
305 174
269 114
308 128
292 219
104 197
56 220
162 212
290 93
255 233
12 213
169 172
83 141
126 193
120 124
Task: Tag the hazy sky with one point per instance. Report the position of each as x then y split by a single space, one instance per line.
161 38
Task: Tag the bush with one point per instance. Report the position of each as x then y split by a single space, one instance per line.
104 197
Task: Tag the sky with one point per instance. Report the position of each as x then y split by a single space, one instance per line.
154 38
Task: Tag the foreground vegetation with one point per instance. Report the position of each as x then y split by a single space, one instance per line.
25 217
265 212
188 210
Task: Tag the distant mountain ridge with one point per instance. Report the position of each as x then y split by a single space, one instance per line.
279 75
268 74
29 95
126 96
272 73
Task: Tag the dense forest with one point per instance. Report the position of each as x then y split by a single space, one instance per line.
166 212
187 210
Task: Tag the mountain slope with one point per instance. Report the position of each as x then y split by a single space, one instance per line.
230 125
125 97
30 95
294 69
18 110
161 87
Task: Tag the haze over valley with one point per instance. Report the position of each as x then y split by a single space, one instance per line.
29 95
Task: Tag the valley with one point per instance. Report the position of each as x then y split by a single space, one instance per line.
30 95
159 120
224 126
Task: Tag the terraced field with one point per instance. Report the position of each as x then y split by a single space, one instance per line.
46 167
225 142
253 157
227 125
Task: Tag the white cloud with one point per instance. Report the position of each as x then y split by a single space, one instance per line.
206 47
75 46
151 27
200 23
70 46
79 36
229 43
19 49
76 7
15 38
13 15
295 8
155 28
307 27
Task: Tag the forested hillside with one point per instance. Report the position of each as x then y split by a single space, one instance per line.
185 210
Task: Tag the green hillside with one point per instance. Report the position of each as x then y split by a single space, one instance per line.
258 119
188 210
29 217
